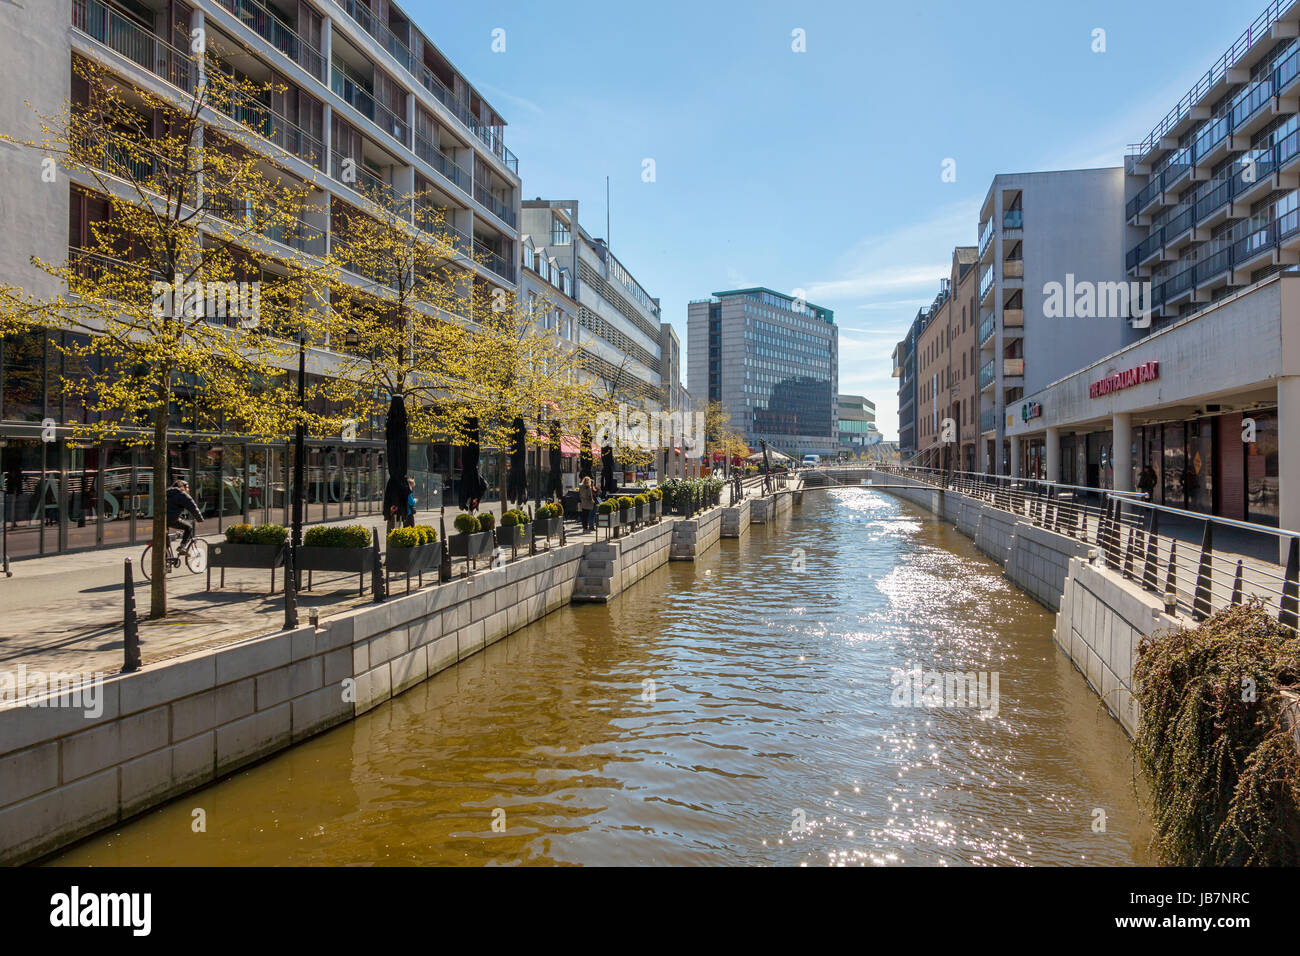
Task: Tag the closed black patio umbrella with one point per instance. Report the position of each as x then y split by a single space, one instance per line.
472 485
555 485
585 464
607 483
398 444
517 477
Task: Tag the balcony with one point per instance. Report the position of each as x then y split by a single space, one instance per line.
493 261
986 283
986 236
1212 141
1013 269
134 42
1013 219
386 38
273 30
1013 319
296 234
986 375
987 328
499 208
289 136
1147 195
443 164
360 180
360 99
1252 103
1013 367
988 420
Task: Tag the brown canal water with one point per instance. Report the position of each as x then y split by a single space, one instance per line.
746 709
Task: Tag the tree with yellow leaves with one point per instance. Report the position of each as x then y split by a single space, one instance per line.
196 274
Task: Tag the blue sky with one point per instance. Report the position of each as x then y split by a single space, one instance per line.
817 170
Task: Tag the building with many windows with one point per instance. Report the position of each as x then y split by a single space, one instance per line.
1051 249
359 100
904 358
773 361
947 412
1207 401
857 424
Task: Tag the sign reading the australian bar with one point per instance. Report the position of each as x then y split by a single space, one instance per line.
1146 372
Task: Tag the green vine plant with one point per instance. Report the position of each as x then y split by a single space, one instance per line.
1217 741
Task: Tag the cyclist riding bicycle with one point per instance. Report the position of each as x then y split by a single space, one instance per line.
179 503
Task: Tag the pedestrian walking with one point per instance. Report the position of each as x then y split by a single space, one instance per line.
586 501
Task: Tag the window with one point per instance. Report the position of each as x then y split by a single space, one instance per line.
528 257
559 232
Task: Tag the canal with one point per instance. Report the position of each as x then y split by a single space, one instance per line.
775 703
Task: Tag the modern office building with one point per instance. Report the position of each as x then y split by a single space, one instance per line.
857 424
945 368
773 360
359 89
618 321
1051 250
1209 398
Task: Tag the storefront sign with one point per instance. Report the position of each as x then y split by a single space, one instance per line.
1031 410
1146 372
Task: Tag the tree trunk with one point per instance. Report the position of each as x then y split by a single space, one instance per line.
158 555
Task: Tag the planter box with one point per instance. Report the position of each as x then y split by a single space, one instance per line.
642 512
266 557
422 559
546 527
516 536
611 521
627 517
656 509
227 555
356 560
474 545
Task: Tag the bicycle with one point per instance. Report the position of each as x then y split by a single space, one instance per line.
195 556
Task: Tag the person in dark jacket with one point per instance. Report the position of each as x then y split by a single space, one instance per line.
179 504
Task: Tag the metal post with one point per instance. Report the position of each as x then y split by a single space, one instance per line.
1236 585
377 569
299 452
1291 589
1171 573
1201 603
444 564
4 530
290 589
130 622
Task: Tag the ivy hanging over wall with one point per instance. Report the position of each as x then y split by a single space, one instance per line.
1216 741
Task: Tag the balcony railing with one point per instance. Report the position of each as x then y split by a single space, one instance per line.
434 220
986 283
1013 318
270 125
987 327
443 164
1013 269
986 374
489 135
499 209
988 420
494 261
986 236
359 179
135 43
365 104
1013 366
1013 219
270 28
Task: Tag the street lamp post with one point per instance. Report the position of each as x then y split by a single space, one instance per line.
299 450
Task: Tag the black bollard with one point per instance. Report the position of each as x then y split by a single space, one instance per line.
444 565
377 570
290 589
130 624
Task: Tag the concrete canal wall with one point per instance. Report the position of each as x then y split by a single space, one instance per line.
67 772
1101 617
767 510
735 521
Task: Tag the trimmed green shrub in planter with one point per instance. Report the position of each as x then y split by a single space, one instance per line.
246 546
547 520
608 515
413 550
474 539
515 529
640 503
336 549
486 521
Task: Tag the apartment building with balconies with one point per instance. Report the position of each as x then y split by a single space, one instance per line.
945 370
773 360
1211 192
1050 253
359 107
904 359
617 322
